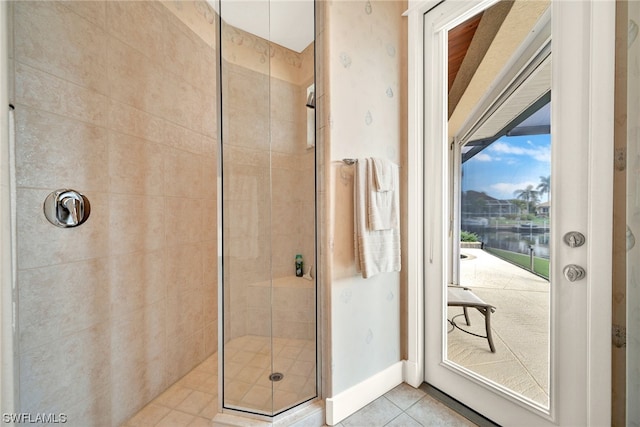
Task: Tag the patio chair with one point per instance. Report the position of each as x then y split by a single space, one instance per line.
460 296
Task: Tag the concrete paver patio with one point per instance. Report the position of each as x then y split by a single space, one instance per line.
520 326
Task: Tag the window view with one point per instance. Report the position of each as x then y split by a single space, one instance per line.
503 274
505 201
499 126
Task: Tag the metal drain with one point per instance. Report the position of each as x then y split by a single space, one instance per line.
276 376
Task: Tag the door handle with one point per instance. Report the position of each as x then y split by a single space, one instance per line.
574 272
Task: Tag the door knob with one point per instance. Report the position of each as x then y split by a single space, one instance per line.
574 272
66 208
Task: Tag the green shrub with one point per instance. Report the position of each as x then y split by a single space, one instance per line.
467 236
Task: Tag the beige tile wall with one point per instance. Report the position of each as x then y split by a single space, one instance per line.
289 305
116 100
269 182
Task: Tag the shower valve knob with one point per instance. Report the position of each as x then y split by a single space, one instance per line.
66 208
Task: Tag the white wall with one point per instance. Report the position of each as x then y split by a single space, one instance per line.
365 71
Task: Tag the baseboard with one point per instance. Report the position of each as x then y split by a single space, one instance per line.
351 400
411 373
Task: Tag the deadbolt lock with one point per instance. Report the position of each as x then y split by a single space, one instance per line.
574 239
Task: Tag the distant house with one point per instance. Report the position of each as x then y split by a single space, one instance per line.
543 209
500 208
477 204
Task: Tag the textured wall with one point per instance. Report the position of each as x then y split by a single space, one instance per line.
116 100
364 50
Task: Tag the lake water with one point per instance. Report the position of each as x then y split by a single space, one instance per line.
514 241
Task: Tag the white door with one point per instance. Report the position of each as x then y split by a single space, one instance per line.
582 35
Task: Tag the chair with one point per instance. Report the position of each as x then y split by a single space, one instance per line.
460 296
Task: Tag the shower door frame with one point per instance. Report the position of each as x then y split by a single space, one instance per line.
318 296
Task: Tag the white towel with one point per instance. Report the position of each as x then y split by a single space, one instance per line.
376 251
383 207
383 174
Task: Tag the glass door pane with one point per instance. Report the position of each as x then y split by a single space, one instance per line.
504 261
268 153
293 203
498 289
247 246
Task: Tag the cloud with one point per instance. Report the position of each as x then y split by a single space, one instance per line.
541 154
506 189
482 157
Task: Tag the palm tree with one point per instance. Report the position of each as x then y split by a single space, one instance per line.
529 195
545 186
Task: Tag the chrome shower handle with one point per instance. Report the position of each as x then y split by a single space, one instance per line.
72 203
66 208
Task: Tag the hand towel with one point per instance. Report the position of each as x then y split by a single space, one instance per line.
382 173
376 251
383 207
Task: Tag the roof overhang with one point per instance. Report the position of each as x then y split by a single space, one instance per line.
518 101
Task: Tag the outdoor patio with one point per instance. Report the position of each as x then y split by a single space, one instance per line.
520 325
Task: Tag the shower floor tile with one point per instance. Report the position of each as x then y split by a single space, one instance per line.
247 371
190 402
193 400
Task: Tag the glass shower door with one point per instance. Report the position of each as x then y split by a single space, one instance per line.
268 208
246 216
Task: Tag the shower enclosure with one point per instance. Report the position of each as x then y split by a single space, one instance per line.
119 101
267 335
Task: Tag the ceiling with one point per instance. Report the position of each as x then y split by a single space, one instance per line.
459 40
468 44
289 23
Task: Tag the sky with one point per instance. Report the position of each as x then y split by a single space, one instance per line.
509 164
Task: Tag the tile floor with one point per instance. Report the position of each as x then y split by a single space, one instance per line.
405 406
253 358
193 400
